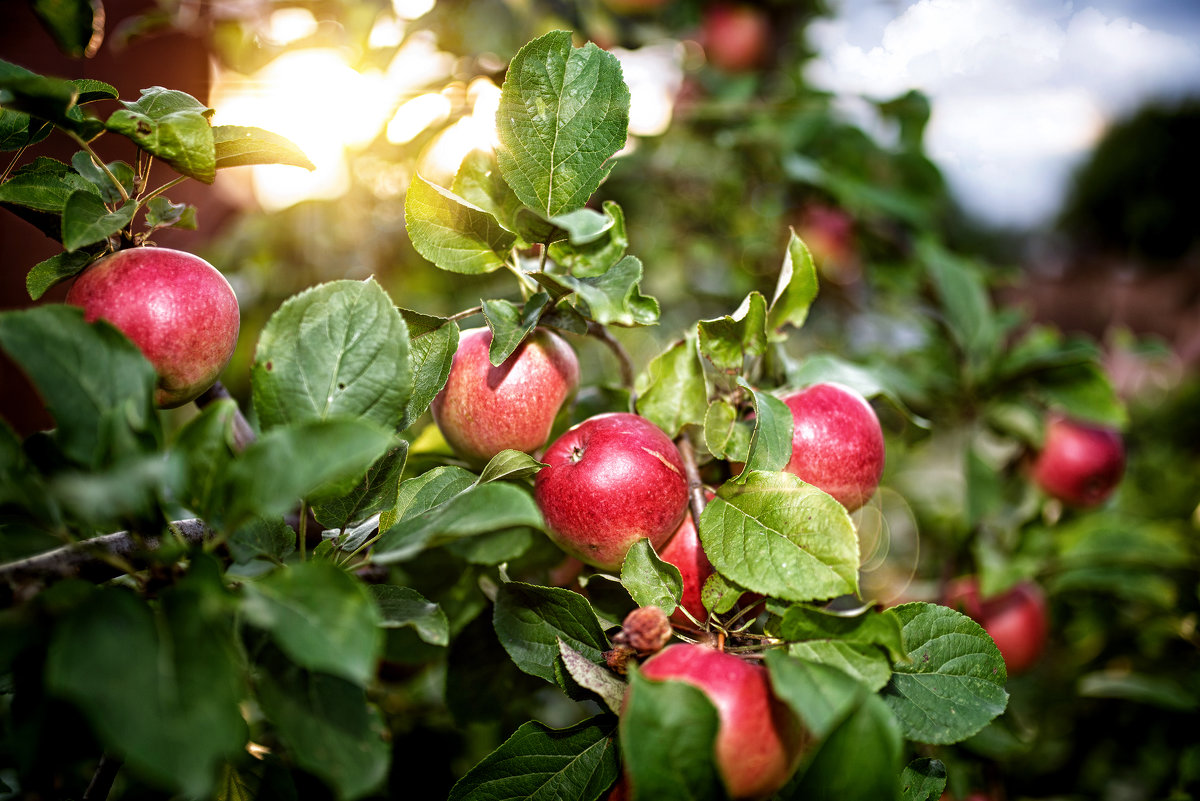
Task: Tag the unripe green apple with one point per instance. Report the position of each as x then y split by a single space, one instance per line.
484 409
759 739
1016 620
837 442
1079 464
610 481
176 307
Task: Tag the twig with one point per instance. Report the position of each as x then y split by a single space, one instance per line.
695 485
601 333
89 559
102 780
164 188
99 162
460 315
243 435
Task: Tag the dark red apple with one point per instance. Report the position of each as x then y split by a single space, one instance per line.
735 37
837 442
759 739
176 307
685 552
1079 464
1016 620
609 481
484 409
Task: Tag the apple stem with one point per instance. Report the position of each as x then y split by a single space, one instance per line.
601 333
695 485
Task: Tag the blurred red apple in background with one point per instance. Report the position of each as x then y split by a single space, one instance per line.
1017 620
1079 464
735 37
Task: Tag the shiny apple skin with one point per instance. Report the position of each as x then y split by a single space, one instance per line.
484 409
610 481
759 740
1079 464
837 442
1016 620
176 307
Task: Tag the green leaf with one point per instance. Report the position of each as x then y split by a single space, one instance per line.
536 762
719 594
433 343
379 490
968 312
479 182
37 95
725 436
319 461
340 348
1083 392
953 684
84 165
77 26
593 250
671 392
403 606
858 761
530 620
19 130
94 381
866 663
923 780
871 628
509 465
510 325
600 680
583 225
452 233
1140 688
796 288
771 441
91 90
44 186
200 457
86 220
649 580
268 538
321 617
240 146
162 213
668 735
614 297
821 695
160 688
727 341
563 115
778 536
326 726
172 126
59 267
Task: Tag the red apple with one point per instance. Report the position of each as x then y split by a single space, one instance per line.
735 37
176 307
837 442
634 6
1079 464
484 409
610 481
759 739
685 552
1016 620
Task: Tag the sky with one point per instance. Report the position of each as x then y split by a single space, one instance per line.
1020 89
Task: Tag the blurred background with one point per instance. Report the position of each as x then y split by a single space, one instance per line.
1049 148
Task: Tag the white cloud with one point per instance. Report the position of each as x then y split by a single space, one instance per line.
1020 88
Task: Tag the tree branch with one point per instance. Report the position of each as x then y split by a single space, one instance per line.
695 485
601 333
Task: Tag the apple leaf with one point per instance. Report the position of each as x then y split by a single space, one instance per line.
510 324
162 213
320 616
649 580
262 537
871 628
87 168
967 309
93 380
858 761
578 762
719 594
161 686
923 779
600 680
404 606
479 182
795 290
452 233
58 267
378 490
727 341
340 348
201 455
509 465
319 460
776 535
37 95
239 146
594 250
18 130
667 736
531 620
168 127
77 26
1083 392
866 663
614 297
563 115
326 725
671 392
433 343
44 185
821 695
953 684
771 440
725 436
86 220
